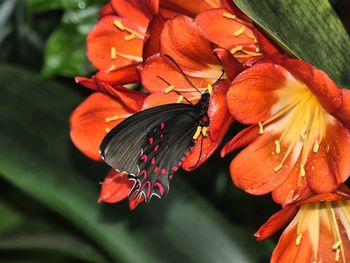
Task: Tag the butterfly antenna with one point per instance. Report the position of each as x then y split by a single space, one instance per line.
222 74
169 84
183 73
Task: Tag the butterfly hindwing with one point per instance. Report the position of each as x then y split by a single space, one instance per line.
163 153
123 145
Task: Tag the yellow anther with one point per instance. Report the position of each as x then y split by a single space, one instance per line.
168 89
302 170
180 99
111 68
113 53
107 130
316 146
119 24
337 245
236 49
278 146
197 133
229 15
239 32
114 118
204 131
298 239
257 50
337 255
261 128
278 167
210 89
129 37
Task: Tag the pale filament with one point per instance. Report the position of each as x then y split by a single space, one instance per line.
301 120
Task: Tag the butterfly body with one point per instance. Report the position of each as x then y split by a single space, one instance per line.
151 145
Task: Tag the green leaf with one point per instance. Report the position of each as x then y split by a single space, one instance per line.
37 156
13 218
309 30
36 6
65 49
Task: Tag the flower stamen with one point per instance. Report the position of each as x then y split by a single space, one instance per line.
113 53
229 15
239 31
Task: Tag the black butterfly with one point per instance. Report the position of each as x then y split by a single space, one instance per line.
152 144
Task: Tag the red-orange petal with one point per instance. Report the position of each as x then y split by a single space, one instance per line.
107 36
276 222
151 44
106 10
343 113
140 11
253 168
243 138
121 75
287 251
267 47
221 29
156 67
170 8
324 88
231 65
183 41
159 98
293 189
330 166
115 187
253 93
88 122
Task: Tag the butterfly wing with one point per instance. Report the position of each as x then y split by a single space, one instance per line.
149 146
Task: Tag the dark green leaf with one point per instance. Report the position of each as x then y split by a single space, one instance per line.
309 30
10 217
45 5
65 49
37 157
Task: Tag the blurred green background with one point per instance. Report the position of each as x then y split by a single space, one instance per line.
49 190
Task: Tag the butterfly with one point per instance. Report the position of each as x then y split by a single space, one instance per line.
152 144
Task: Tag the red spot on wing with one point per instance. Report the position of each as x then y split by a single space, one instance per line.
153 161
156 148
175 168
162 125
144 157
151 140
163 171
161 188
155 170
143 173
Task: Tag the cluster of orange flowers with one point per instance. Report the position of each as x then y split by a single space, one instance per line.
296 145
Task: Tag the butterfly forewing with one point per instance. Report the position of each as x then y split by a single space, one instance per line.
123 146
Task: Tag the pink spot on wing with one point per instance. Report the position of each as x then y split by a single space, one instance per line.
150 140
148 184
144 157
153 161
162 125
156 169
161 188
170 176
175 168
156 148
187 153
163 171
143 173
161 135
179 164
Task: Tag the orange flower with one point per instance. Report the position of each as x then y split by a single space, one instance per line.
93 119
183 41
319 232
299 140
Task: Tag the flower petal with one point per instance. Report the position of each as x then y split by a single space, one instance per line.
183 41
122 75
326 91
253 93
243 138
232 66
266 45
140 11
88 122
151 44
293 189
105 37
225 30
156 68
330 166
253 169
115 187
287 251
343 114
276 222
159 98
106 10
